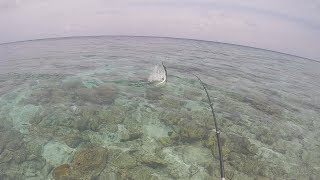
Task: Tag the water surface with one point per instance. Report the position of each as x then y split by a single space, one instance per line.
81 108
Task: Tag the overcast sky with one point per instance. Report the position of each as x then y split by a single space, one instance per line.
289 26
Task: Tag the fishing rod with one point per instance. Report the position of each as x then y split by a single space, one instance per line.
217 130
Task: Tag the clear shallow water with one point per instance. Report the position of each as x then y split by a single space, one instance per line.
81 108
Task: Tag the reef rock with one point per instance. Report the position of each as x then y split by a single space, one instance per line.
61 172
89 159
86 164
104 94
242 145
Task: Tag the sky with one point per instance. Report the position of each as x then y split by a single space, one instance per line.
288 26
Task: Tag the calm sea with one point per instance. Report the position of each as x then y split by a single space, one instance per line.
82 108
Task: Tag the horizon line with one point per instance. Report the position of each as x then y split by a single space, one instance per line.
141 36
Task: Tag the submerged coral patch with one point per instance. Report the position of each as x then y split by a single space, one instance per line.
61 172
57 153
104 94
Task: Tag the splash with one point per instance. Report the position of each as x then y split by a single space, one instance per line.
158 75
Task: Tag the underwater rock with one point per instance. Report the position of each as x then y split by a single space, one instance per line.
134 136
61 172
225 152
189 131
72 84
255 167
242 145
73 140
263 106
20 155
192 94
124 161
134 126
197 155
132 133
171 140
51 94
86 164
199 172
123 133
260 104
211 144
154 94
112 128
203 118
34 147
80 124
56 153
38 116
86 118
153 161
177 168
172 103
266 136
94 125
1 147
275 171
14 144
5 124
114 115
88 112
136 173
144 173
103 94
193 169
12 147
262 178
90 159
280 146
211 141
234 116
187 128
173 118
247 165
106 94
6 156
86 94
157 131
108 174
10 176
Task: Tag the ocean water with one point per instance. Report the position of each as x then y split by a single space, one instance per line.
82 108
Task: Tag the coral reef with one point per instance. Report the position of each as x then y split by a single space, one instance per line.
185 126
172 103
61 172
114 115
89 159
72 84
152 161
86 164
89 128
258 103
48 95
241 145
103 94
192 94
154 93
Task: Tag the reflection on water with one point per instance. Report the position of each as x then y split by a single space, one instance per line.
82 108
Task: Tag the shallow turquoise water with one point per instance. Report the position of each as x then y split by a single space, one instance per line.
82 108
